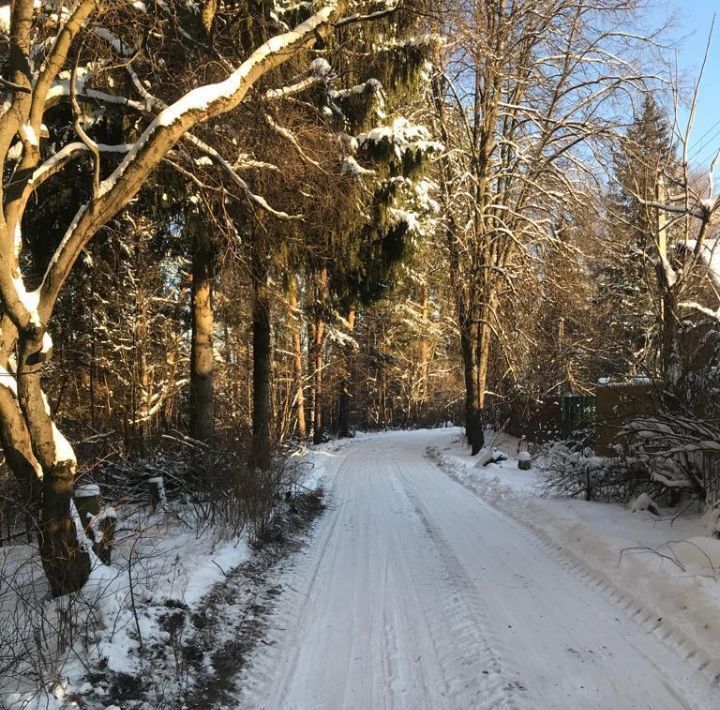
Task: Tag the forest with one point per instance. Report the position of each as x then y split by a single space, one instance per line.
233 232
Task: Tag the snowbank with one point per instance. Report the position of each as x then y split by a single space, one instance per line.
663 569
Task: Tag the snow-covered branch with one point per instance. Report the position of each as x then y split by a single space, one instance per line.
164 131
214 155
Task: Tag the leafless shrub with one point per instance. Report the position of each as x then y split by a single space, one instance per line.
576 472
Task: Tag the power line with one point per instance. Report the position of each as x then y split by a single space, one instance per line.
706 154
702 144
712 128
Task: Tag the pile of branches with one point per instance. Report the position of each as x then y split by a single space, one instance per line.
210 489
661 454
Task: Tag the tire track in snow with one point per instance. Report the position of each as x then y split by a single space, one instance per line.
673 638
276 673
424 616
272 669
469 647
416 595
631 607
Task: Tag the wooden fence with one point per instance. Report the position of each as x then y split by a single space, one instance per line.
616 404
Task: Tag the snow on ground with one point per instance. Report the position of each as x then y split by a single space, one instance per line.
663 567
417 593
173 563
161 560
317 465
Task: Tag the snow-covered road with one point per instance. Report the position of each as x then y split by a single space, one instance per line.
414 593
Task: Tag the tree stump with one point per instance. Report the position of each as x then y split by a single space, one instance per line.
156 487
98 522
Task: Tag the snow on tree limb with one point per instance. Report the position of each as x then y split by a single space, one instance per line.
25 117
164 131
57 57
118 46
214 156
293 89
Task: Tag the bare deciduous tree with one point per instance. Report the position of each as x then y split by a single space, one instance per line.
526 98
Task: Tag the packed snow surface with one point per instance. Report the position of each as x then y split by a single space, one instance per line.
417 593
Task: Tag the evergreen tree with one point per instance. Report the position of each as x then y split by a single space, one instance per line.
645 167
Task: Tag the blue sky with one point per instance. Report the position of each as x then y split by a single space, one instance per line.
693 20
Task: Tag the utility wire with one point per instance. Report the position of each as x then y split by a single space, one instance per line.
702 149
707 154
700 141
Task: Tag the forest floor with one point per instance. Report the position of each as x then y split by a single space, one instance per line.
169 624
467 591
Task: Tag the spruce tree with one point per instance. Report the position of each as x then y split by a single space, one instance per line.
645 166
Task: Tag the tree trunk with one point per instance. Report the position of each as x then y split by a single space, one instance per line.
202 406
142 403
467 327
40 458
260 452
318 339
298 383
310 403
66 563
483 358
18 451
669 365
141 342
424 352
318 360
473 412
345 400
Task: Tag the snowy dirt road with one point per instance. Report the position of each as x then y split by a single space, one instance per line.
414 594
